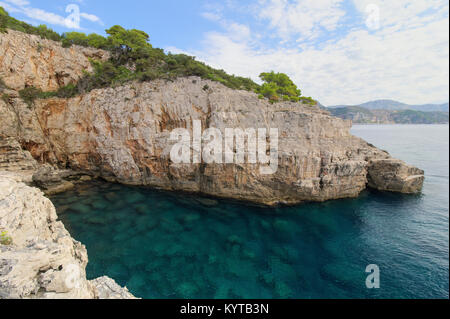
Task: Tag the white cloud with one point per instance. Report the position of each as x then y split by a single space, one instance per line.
306 19
24 7
42 15
407 59
91 17
211 16
234 30
402 14
8 7
19 3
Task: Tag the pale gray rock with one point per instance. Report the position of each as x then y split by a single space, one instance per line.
52 181
395 176
29 60
122 134
107 288
43 261
15 162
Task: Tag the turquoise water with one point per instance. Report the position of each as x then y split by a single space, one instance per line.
165 245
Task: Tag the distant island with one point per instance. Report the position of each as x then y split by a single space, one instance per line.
392 112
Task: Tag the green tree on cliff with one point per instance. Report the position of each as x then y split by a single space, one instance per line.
278 87
77 38
3 19
128 40
134 58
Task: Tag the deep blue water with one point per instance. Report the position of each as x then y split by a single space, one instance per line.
164 245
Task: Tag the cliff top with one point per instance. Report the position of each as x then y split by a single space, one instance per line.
127 56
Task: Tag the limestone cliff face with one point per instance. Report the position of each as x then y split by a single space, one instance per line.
29 60
42 261
122 134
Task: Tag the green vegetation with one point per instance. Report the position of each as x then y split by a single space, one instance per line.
78 38
5 98
8 22
349 111
2 85
308 99
416 117
279 87
362 116
133 58
31 93
5 239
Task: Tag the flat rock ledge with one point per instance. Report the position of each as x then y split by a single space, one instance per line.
43 261
395 176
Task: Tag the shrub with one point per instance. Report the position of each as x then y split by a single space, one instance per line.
8 22
134 58
2 84
67 91
97 41
4 18
29 94
5 239
278 86
77 38
5 98
308 100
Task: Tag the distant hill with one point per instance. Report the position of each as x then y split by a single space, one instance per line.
391 105
361 115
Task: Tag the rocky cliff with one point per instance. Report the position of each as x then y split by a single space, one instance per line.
122 134
41 260
28 60
361 115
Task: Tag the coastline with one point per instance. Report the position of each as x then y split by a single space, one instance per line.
121 134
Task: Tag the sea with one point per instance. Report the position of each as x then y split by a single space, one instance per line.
170 245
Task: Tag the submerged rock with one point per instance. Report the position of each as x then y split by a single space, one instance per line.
54 181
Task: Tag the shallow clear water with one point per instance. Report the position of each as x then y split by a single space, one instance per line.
165 245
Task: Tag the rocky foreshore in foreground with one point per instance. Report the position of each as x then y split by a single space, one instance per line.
42 260
38 257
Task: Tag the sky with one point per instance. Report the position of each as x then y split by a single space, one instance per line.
336 51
